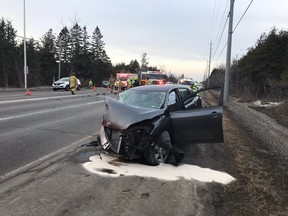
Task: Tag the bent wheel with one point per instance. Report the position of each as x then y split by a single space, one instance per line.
156 155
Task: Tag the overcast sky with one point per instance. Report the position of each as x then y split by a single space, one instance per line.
174 34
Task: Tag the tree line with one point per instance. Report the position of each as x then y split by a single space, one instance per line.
71 50
262 72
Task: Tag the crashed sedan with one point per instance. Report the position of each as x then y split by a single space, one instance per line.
154 121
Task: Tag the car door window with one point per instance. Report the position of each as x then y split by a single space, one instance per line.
184 92
174 101
172 98
211 97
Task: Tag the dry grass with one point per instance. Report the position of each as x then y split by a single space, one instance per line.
261 186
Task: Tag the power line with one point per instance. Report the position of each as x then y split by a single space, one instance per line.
221 27
221 52
222 20
242 15
221 36
28 38
212 21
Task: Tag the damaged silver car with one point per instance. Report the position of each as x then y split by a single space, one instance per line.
154 121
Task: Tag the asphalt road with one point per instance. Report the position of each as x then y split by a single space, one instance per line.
32 126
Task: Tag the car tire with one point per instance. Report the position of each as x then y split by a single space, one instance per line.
159 152
67 88
54 89
78 88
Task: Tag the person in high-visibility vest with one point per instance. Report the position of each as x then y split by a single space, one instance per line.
129 83
119 85
111 82
195 87
148 82
197 99
90 84
73 83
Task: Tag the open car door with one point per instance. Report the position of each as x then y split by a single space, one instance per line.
194 124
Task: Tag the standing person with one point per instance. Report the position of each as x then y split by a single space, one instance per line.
195 87
90 83
135 82
129 83
197 99
111 82
73 83
148 81
119 85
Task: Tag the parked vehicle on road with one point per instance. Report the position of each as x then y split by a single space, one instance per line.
153 121
123 77
155 77
185 82
105 83
63 83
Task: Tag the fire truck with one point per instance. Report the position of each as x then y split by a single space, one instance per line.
155 77
123 77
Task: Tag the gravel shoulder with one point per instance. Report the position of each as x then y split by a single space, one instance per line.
256 151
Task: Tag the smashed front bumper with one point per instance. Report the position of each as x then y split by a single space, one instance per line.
110 139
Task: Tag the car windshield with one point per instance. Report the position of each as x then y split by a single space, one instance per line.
145 99
156 76
64 79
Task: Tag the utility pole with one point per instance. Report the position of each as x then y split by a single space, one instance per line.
25 59
209 64
60 53
228 56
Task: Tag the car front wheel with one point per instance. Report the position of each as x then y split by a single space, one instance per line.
155 154
67 88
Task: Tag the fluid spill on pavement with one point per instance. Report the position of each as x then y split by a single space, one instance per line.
107 167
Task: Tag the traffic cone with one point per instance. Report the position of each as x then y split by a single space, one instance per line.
94 88
27 92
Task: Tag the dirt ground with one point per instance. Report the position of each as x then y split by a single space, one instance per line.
262 175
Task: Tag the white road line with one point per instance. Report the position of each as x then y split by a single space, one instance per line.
46 111
42 98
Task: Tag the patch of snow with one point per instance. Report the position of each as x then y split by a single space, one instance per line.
259 103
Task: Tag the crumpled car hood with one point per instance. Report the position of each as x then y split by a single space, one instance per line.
121 116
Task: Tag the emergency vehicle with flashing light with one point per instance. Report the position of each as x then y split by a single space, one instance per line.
123 78
155 77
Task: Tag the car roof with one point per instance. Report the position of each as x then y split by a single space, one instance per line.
166 88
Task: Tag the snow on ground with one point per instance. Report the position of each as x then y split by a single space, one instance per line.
260 103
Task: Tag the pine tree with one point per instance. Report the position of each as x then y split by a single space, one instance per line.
8 49
101 62
63 48
48 66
